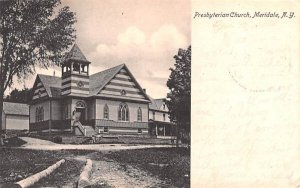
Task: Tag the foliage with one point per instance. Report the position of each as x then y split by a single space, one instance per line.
32 33
179 83
19 96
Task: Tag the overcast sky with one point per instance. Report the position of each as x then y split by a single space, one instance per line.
143 34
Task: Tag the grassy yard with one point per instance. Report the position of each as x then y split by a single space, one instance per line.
17 164
169 164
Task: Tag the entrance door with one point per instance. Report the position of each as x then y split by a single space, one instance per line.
81 114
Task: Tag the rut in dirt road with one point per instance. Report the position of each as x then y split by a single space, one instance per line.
108 173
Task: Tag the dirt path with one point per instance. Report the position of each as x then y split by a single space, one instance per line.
108 173
38 144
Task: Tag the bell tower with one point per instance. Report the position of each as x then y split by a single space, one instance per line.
75 73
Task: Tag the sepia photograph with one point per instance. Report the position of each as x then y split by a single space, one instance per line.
95 93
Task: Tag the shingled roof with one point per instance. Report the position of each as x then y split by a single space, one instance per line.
16 108
100 79
76 54
156 103
52 84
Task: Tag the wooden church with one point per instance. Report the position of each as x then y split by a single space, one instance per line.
108 102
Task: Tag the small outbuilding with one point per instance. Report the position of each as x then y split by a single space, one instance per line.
15 116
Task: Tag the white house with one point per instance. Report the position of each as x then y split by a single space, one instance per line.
15 116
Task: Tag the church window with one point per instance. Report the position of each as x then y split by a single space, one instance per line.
80 104
39 114
139 114
123 92
106 112
105 129
123 113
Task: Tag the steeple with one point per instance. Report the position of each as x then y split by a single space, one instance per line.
75 73
75 54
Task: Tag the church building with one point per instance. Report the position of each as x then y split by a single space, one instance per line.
108 102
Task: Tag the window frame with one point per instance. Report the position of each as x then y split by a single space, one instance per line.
105 129
139 114
39 114
123 112
105 112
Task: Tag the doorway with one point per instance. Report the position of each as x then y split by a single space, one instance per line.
81 114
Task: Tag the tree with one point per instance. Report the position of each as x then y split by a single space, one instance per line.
32 33
179 97
19 96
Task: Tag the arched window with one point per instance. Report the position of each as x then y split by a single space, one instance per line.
39 114
139 114
42 114
80 104
106 112
123 113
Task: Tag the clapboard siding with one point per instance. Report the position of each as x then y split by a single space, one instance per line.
17 122
39 90
70 85
123 81
113 106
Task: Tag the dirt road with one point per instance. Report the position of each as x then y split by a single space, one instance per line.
38 144
106 172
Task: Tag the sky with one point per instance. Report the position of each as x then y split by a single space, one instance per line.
143 34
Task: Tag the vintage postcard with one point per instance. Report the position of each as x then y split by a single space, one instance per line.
95 93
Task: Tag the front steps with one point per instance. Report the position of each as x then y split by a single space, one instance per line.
90 131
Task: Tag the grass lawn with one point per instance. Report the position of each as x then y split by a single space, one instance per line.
17 164
169 164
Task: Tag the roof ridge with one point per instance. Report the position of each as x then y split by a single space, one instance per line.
48 75
108 69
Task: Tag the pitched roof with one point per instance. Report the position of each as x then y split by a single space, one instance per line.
156 103
159 102
152 105
51 83
100 79
76 54
15 108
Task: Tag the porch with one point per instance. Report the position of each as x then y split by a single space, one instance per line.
162 130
